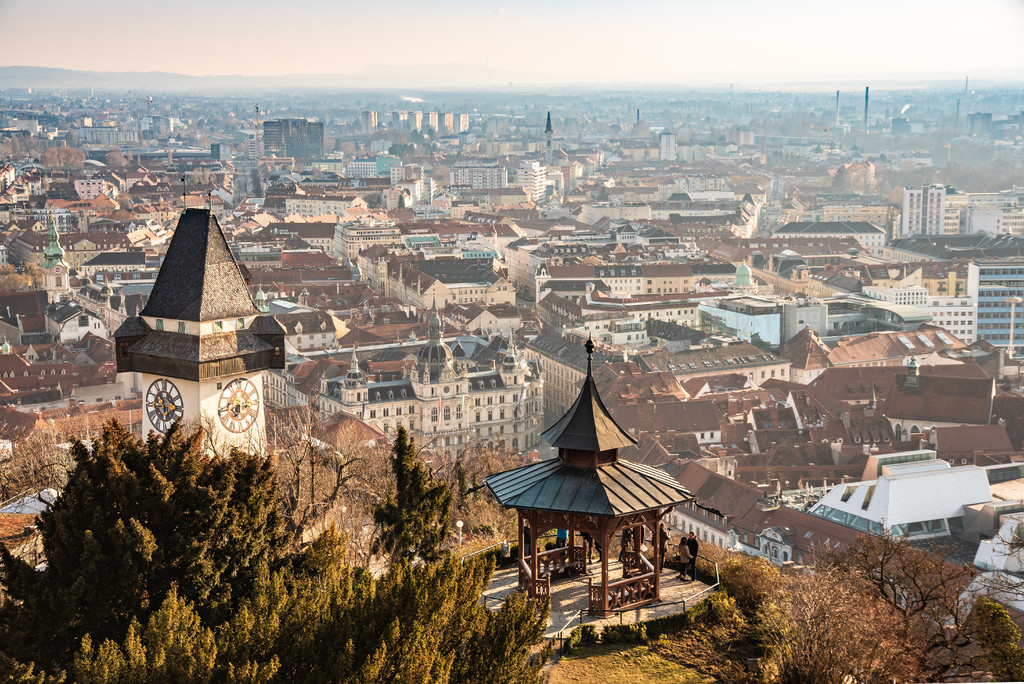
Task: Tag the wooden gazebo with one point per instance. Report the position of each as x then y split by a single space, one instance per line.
589 489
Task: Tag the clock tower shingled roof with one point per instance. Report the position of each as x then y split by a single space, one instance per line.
199 279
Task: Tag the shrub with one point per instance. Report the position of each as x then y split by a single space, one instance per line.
588 634
617 634
575 637
750 581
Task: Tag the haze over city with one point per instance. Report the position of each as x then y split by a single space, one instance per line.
747 43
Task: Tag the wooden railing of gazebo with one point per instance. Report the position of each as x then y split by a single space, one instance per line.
541 588
552 563
631 592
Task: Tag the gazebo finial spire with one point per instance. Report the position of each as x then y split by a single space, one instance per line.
589 346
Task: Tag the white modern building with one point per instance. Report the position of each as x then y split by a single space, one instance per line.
668 146
924 210
915 494
532 178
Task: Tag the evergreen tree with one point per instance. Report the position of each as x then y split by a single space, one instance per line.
166 565
415 520
134 521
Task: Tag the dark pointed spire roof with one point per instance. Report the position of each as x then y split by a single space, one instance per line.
547 128
199 279
588 425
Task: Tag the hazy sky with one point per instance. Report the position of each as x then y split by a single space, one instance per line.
747 42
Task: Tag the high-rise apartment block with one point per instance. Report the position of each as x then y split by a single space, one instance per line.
668 146
369 121
533 178
924 210
298 138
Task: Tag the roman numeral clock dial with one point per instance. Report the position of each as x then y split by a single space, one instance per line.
163 404
239 405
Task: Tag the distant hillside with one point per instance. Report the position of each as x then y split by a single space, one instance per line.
369 77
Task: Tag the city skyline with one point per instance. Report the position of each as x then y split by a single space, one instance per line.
743 43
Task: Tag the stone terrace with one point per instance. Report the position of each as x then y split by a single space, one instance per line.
569 596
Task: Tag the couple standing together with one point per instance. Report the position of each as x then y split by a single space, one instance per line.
688 548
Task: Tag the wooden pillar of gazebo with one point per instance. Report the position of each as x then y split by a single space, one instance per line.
605 543
534 565
657 553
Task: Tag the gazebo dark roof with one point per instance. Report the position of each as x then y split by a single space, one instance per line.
595 484
614 489
587 425
200 279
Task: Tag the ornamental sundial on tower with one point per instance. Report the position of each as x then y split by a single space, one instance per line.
200 345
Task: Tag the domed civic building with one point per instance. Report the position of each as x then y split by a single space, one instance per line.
486 393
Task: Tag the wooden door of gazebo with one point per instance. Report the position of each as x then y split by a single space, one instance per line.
588 488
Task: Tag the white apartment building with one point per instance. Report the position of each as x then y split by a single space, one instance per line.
479 177
532 178
668 146
361 168
924 210
307 206
958 315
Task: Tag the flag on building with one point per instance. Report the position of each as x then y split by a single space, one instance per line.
440 413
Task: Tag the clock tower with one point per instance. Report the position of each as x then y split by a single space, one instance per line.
199 347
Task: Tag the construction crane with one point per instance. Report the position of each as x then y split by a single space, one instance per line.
149 104
827 132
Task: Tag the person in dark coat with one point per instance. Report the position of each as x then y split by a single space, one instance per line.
693 546
663 542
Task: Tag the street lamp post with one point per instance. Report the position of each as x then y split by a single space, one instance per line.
1013 302
458 524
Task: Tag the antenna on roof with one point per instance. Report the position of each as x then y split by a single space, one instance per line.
184 196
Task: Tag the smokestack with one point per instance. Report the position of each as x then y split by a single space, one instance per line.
866 89
837 108
638 116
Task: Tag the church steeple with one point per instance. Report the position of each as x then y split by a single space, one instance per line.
549 142
54 253
434 329
55 268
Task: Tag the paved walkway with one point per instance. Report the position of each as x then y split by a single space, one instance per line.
570 594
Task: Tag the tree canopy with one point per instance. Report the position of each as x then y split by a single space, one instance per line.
167 564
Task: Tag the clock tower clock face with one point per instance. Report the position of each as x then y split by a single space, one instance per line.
163 404
239 405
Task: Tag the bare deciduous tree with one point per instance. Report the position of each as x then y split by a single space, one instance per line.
826 626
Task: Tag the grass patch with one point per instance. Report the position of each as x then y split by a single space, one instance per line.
620 663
